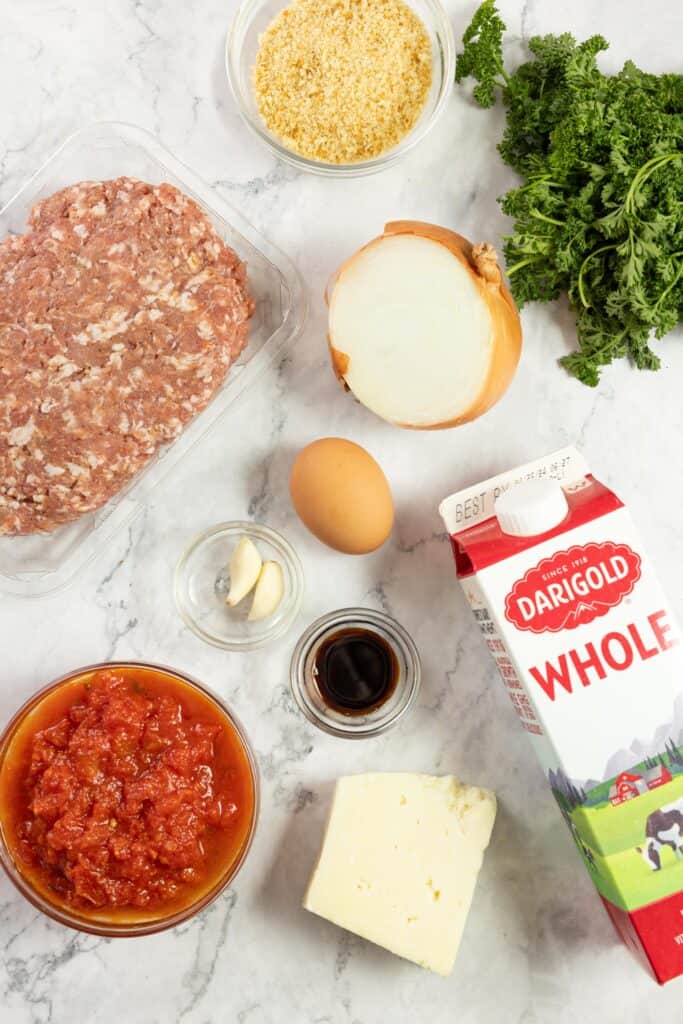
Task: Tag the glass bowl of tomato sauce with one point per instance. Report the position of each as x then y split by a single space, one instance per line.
128 798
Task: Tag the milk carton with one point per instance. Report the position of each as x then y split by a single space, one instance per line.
589 651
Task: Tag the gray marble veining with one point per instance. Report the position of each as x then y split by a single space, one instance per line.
538 948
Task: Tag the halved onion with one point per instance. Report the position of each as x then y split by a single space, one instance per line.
422 328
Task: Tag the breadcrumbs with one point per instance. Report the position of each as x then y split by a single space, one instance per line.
343 80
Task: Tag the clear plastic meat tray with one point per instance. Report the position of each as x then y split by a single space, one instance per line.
41 563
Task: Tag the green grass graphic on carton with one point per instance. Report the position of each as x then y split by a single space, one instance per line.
608 838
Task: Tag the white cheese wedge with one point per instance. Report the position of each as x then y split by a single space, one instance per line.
400 861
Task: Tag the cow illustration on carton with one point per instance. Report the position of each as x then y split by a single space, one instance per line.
664 827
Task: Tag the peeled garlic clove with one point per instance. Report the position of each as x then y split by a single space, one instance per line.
270 590
245 567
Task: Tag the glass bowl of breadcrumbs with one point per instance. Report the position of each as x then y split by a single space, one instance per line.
340 87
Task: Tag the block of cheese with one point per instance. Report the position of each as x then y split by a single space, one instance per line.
400 860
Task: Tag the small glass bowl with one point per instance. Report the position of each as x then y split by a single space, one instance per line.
138 923
253 18
378 720
202 582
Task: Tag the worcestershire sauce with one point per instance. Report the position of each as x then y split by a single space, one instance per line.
356 671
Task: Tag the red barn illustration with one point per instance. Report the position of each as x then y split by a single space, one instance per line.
629 785
626 786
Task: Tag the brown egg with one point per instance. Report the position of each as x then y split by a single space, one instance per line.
341 494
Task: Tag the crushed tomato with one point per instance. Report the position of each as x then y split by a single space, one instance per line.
130 789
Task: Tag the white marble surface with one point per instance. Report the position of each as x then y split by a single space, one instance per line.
538 946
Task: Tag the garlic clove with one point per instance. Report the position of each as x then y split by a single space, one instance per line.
245 567
269 592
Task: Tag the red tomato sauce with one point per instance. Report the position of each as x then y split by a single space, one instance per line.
125 789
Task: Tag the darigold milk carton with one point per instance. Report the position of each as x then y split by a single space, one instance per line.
589 650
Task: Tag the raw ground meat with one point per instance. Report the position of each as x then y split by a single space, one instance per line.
121 311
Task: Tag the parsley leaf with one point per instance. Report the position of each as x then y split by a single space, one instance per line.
599 213
482 57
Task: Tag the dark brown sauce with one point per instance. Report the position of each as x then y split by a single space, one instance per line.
356 671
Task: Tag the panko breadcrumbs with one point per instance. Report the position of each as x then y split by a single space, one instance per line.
343 80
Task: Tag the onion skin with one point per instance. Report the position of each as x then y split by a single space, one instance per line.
481 262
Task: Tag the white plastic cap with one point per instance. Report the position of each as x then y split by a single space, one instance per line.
531 507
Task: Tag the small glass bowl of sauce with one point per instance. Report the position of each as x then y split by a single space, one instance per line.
355 673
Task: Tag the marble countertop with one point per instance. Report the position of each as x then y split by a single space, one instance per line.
538 947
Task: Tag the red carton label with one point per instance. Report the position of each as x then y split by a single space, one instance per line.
573 587
654 934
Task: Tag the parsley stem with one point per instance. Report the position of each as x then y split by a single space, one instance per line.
579 281
672 284
523 263
611 344
644 172
541 179
542 216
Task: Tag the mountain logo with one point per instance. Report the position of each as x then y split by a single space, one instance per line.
573 587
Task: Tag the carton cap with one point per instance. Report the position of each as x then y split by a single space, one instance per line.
531 507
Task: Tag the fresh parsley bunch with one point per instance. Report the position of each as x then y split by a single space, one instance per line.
600 212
